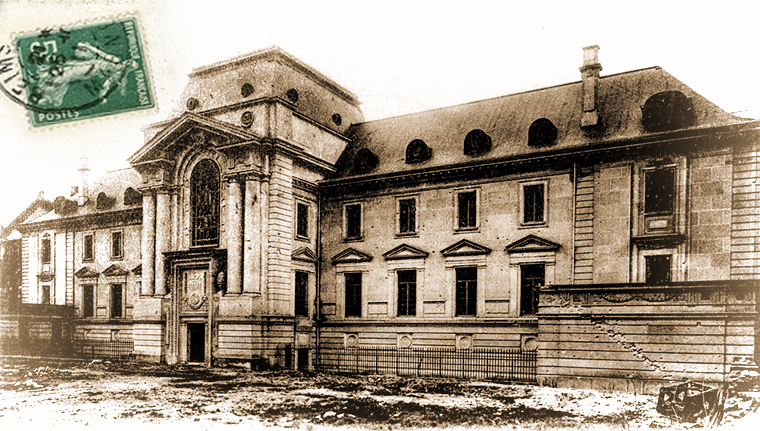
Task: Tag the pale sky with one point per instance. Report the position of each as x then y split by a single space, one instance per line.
396 56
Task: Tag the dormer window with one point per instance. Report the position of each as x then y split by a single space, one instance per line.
668 110
542 133
103 202
476 143
417 151
132 196
364 161
246 90
292 95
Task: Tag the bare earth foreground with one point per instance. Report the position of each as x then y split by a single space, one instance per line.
133 395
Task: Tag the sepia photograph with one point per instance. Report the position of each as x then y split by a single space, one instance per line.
396 215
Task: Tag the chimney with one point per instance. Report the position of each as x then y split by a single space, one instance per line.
590 86
84 191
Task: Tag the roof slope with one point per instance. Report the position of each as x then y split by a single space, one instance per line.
506 120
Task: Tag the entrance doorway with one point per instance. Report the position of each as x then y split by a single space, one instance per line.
196 342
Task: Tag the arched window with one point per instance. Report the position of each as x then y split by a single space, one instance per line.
668 110
477 142
132 196
542 133
417 151
204 199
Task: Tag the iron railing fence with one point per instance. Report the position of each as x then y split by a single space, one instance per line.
116 350
494 364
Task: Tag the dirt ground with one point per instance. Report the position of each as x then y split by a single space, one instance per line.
127 395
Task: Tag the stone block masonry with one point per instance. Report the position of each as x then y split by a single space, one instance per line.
745 215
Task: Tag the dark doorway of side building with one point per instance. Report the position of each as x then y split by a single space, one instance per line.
532 278
196 342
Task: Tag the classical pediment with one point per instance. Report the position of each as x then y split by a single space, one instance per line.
350 255
137 270
115 271
405 251
304 254
191 129
465 248
86 272
531 243
45 276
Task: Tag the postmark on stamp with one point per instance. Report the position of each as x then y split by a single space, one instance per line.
69 74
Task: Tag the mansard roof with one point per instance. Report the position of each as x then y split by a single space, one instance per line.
506 121
532 243
405 251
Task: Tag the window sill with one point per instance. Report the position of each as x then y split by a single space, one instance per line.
534 225
302 238
407 235
467 229
357 239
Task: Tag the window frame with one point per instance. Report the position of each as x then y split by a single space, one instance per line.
301 300
205 236
120 250
645 201
652 257
457 210
471 286
360 235
355 307
302 229
659 222
409 291
91 257
121 303
534 297
50 293
414 222
544 183
88 312
46 249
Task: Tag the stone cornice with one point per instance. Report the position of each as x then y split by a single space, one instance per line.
130 216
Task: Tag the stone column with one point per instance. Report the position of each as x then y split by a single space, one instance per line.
252 237
148 238
163 233
234 236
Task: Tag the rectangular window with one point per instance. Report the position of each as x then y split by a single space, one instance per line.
533 203
88 300
117 248
532 278
407 216
45 294
659 191
353 222
302 283
89 247
467 210
45 252
657 269
407 292
353 294
117 295
302 220
466 291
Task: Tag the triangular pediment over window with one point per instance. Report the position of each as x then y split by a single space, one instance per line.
532 243
465 248
304 254
137 270
86 272
405 251
350 255
115 271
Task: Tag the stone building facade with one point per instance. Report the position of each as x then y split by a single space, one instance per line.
612 224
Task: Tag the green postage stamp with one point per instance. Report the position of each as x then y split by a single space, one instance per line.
84 72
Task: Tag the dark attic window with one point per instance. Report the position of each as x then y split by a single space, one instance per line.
417 151
103 202
477 142
668 110
542 133
132 196
192 104
337 119
364 161
246 90
292 95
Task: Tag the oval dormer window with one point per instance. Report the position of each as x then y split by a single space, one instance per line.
542 133
668 110
132 196
417 151
477 142
292 95
364 161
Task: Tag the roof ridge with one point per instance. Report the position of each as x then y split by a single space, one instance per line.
503 96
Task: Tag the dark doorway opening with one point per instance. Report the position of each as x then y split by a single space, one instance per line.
196 342
303 359
531 279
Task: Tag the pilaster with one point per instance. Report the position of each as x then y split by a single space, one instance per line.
234 235
163 232
148 243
